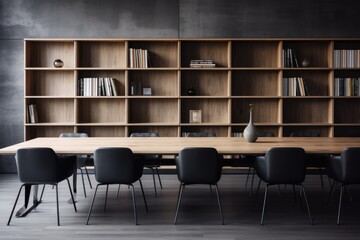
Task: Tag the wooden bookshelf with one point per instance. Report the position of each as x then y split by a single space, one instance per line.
247 71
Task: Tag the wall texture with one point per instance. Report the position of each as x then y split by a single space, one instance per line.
150 19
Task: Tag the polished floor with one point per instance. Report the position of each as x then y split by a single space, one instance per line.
198 218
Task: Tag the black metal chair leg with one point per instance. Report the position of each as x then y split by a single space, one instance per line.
348 192
252 183
321 178
83 183
153 174
158 174
264 204
340 201
331 192
178 202
210 189
219 203
117 194
88 177
257 192
72 196
57 204
17 198
134 203
42 193
247 179
142 190
295 196
106 194
92 204
307 204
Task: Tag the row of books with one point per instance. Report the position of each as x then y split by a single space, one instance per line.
294 86
347 58
202 63
346 86
97 87
139 58
32 116
288 58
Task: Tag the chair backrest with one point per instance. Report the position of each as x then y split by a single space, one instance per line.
200 134
36 165
285 165
304 134
350 165
144 134
116 165
266 134
199 166
147 156
73 135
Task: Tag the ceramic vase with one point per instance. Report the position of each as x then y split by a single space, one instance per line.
250 133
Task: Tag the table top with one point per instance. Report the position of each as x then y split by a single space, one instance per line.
172 145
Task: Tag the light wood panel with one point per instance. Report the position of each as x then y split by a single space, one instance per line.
302 110
102 54
53 110
163 54
162 83
211 50
347 110
43 54
317 52
103 131
212 110
255 83
49 83
102 110
150 110
264 110
205 83
255 54
161 130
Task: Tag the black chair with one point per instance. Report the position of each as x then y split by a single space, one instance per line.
152 162
198 166
200 134
313 160
117 166
82 161
345 170
248 161
282 166
41 166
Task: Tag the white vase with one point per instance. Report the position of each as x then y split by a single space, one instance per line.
250 133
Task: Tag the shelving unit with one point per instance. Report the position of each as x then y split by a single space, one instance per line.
247 71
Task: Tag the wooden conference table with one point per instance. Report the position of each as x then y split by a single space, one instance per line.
172 145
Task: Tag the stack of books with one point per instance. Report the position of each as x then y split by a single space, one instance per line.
347 58
294 86
97 87
346 86
139 58
202 63
288 58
